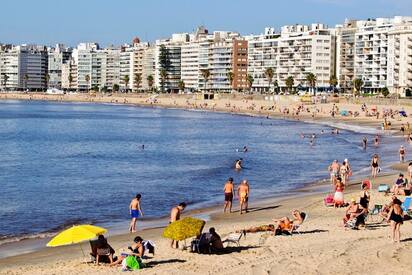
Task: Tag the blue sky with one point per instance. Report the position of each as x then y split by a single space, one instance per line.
118 21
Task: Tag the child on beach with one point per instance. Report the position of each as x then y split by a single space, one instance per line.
135 212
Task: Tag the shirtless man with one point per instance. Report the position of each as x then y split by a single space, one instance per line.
229 192
238 164
135 212
243 193
175 216
334 171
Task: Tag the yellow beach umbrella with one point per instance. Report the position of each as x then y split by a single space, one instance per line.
76 234
184 229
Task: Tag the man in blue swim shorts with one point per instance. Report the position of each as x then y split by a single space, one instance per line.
135 212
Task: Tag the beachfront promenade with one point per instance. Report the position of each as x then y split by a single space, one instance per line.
324 247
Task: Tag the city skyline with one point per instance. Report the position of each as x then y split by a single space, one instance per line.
107 22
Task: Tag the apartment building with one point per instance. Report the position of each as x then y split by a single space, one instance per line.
111 68
57 56
239 64
126 56
142 66
69 75
295 51
168 59
23 67
376 51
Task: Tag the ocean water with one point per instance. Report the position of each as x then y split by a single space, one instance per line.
70 163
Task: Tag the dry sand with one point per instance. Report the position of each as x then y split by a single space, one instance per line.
324 247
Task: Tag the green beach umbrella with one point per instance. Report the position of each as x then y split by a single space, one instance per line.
183 229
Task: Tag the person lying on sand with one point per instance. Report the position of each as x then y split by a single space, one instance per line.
256 229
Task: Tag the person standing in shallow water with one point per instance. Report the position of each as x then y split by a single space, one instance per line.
364 142
229 192
135 212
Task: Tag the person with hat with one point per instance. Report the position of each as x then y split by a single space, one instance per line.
352 211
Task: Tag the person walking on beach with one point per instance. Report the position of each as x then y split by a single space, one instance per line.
229 192
175 216
364 142
402 154
243 193
334 170
135 212
375 165
395 217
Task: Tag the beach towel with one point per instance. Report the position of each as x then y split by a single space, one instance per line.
383 188
131 263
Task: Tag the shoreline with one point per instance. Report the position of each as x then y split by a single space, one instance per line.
306 192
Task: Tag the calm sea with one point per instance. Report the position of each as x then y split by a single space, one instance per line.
69 163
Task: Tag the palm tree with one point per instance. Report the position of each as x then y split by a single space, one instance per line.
205 74
70 78
25 79
126 80
311 79
250 81
47 80
230 77
269 76
333 81
181 85
150 81
163 77
357 84
116 88
87 78
290 82
276 86
137 80
5 79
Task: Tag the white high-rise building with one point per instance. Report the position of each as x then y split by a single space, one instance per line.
293 52
142 66
23 67
126 56
376 51
57 56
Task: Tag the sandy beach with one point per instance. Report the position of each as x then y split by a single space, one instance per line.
323 247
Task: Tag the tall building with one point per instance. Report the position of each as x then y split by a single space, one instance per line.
24 67
376 51
126 56
57 56
293 52
142 66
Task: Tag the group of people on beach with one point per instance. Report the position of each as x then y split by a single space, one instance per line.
243 192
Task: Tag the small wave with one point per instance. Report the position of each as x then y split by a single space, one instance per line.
348 127
13 239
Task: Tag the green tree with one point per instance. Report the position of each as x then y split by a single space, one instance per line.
269 76
205 74
357 85
276 86
150 82
333 81
181 85
163 78
103 90
290 82
70 78
5 79
47 80
137 80
126 81
230 77
311 79
116 88
385 91
95 88
26 80
87 78
250 81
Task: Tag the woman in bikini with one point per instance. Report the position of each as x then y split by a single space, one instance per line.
375 165
395 217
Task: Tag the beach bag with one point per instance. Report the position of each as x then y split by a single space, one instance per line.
383 188
328 200
131 263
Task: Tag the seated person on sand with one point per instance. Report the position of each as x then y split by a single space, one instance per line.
400 183
101 248
256 229
216 243
353 211
403 190
136 250
286 225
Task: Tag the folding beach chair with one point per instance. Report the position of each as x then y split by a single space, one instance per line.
233 238
375 210
406 205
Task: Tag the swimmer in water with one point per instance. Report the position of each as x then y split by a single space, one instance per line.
245 149
377 140
238 164
142 146
364 142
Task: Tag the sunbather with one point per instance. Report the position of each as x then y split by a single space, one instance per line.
136 249
352 211
256 229
286 225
